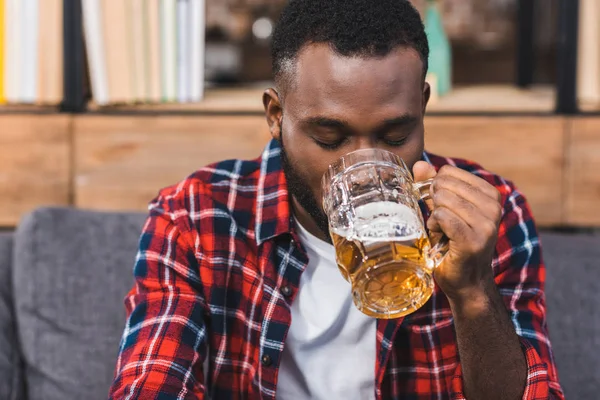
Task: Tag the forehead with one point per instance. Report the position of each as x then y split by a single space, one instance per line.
326 82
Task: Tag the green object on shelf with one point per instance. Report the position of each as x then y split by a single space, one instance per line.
440 53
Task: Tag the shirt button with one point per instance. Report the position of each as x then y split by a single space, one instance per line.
286 290
266 360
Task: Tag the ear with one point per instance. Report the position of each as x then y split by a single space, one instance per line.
274 112
426 96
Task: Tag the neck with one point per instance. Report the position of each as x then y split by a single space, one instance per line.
308 222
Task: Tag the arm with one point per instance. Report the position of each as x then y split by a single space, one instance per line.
493 363
512 309
503 356
164 343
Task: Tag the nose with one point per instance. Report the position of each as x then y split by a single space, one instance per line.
364 142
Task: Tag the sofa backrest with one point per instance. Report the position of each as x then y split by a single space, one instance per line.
573 310
72 270
11 383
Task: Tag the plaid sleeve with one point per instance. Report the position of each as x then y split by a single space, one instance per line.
520 276
164 342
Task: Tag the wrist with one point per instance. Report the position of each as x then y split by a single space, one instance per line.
475 300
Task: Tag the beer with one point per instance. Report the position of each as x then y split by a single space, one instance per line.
384 258
382 247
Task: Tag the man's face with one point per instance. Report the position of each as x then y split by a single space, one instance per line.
336 105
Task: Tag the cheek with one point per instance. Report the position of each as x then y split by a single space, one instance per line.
309 161
312 170
412 151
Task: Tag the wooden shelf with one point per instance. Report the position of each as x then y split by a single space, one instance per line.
490 99
216 101
28 109
475 99
495 99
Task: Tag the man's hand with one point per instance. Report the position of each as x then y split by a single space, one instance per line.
467 209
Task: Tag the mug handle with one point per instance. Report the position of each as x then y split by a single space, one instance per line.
440 248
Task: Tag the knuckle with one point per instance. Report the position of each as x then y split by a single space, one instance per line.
497 212
445 169
441 215
473 189
438 183
467 204
497 194
440 195
489 230
457 224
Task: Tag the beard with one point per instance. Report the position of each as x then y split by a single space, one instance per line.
300 190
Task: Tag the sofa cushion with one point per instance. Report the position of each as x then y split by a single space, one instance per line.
573 302
72 270
10 361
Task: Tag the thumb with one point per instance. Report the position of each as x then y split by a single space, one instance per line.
423 171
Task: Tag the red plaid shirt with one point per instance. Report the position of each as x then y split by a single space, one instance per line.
219 265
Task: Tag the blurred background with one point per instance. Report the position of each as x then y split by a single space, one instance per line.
104 102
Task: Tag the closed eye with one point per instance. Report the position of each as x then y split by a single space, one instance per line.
395 143
330 145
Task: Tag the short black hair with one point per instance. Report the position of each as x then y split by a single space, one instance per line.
367 28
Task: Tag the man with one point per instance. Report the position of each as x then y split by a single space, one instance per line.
237 293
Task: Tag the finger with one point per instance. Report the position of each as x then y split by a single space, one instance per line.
423 171
476 216
446 221
487 206
473 180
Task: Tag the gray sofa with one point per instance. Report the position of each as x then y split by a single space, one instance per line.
64 273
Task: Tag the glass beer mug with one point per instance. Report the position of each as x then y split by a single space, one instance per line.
381 244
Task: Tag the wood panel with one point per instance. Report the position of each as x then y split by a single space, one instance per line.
122 161
582 176
34 164
527 150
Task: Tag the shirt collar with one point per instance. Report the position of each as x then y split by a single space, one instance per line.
273 207
273 211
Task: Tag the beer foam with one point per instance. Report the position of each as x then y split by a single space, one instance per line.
385 220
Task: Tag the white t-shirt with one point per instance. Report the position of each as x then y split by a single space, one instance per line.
330 349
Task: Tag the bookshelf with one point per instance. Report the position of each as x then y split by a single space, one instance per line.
116 157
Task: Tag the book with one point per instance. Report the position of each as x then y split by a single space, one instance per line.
28 61
588 63
2 96
50 52
183 50
138 57
118 66
12 46
168 50
154 50
198 48
92 28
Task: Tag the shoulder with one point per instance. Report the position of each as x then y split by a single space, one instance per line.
217 189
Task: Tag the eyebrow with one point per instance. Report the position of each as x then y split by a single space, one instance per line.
326 122
399 121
